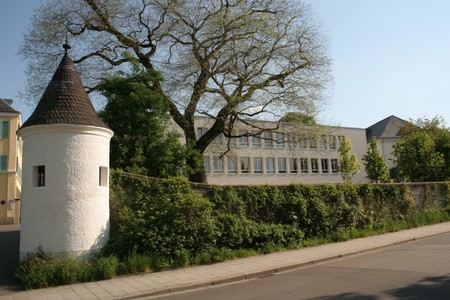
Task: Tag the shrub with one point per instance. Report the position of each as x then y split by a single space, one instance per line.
163 219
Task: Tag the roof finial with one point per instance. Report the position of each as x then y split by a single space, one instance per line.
66 46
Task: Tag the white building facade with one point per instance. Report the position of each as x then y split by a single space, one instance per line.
279 157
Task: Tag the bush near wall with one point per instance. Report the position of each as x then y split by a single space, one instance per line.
169 217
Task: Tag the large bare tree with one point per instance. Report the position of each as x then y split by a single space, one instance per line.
230 60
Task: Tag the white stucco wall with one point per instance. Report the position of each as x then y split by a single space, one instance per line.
70 214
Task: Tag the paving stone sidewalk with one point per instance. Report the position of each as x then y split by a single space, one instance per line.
131 287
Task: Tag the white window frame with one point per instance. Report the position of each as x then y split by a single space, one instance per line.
268 139
314 165
323 143
244 165
293 165
279 138
282 167
201 131
304 168
218 165
325 165
232 165
207 164
270 165
243 139
333 142
256 139
334 166
258 165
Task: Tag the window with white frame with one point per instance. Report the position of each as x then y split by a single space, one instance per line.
245 165
303 143
232 164
341 138
314 165
279 138
4 129
243 139
206 164
270 165
313 143
325 165
201 131
282 165
268 139
257 165
304 165
256 139
333 143
291 140
218 164
293 166
334 166
323 143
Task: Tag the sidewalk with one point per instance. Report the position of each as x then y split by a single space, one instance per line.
130 287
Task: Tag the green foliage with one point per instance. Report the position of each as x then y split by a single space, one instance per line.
160 218
348 161
298 118
107 267
374 163
42 270
138 115
423 152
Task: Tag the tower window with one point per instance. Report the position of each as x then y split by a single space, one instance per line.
103 176
39 176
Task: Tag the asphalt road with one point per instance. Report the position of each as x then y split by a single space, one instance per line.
9 258
416 270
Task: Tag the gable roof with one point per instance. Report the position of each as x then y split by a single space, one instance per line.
65 101
386 128
5 106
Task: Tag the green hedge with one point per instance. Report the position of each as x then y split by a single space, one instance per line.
167 217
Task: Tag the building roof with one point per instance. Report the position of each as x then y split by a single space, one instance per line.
386 129
65 101
5 106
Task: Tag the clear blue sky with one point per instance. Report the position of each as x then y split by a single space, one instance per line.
390 57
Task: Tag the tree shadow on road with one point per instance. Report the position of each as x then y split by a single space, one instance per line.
429 288
435 288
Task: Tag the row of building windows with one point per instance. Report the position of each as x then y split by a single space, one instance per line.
280 140
270 165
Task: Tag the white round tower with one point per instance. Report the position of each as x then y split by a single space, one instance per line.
65 186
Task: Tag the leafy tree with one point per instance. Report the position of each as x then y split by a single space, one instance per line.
423 152
138 115
348 161
374 163
231 61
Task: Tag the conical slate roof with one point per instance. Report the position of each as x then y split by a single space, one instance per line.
65 100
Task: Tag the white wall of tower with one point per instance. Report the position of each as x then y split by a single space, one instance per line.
70 214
